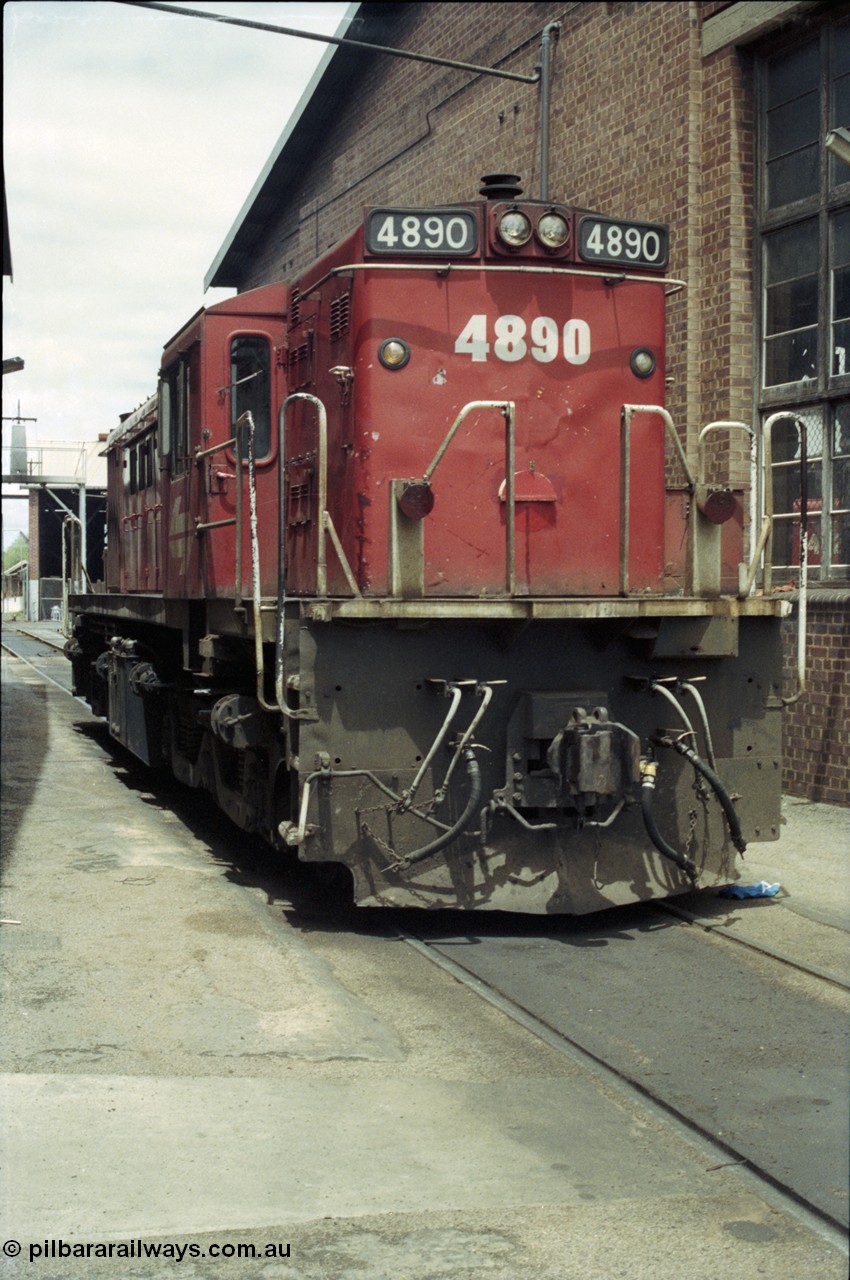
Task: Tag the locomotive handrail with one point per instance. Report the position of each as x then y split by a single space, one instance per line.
234 443
767 498
78 571
445 268
508 409
627 412
733 426
767 506
325 529
326 524
216 448
700 475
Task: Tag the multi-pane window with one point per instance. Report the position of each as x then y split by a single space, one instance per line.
840 293
805 291
791 300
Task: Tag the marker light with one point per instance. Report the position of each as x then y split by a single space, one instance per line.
416 499
553 231
718 505
642 362
514 229
394 353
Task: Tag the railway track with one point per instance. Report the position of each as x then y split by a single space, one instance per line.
722 1153
738 1044
57 643
12 646
773 953
722 1043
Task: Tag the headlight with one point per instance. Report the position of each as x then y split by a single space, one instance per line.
394 353
514 229
642 362
553 231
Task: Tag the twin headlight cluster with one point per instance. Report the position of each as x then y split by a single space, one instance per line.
514 228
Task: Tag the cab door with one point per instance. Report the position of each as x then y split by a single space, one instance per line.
244 363
180 435
151 513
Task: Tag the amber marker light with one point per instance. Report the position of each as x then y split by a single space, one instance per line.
394 353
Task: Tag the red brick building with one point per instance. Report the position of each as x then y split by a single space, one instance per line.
710 117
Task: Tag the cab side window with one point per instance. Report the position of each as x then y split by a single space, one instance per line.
250 390
178 407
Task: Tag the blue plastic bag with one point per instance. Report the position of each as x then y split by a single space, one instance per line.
760 890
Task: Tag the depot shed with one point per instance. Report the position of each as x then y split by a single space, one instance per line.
710 117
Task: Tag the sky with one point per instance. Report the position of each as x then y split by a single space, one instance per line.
132 139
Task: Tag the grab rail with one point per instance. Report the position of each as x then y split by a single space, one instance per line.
234 443
508 409
767 503
626 415
733 426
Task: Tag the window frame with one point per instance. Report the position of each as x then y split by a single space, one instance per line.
266 452
827 393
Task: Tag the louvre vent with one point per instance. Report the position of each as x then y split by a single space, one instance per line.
340 315
300 361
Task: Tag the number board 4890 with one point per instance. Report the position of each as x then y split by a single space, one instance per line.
451 233
611 242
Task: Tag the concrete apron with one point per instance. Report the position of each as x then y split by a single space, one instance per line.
183 1065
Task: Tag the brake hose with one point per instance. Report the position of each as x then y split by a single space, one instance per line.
716 785
473 769
648 770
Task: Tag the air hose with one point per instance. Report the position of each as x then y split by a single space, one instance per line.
716 785
648 771
473 769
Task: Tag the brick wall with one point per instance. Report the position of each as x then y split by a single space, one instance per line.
817 728
642 126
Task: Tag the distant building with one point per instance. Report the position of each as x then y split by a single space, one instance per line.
14 588
66 485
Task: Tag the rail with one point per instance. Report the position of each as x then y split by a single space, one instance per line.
708 430
77 573
508 409
326 529
245 423
767 506
234 443
627 413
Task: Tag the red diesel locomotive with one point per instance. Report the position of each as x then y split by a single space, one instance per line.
408 568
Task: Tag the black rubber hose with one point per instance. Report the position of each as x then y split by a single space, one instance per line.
719 790
473 769
681 860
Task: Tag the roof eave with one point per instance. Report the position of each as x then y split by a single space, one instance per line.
227 269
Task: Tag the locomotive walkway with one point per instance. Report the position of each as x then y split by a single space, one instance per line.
198 1060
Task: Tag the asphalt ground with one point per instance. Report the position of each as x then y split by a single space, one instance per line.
198 1062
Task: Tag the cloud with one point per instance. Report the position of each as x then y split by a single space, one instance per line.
131 142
